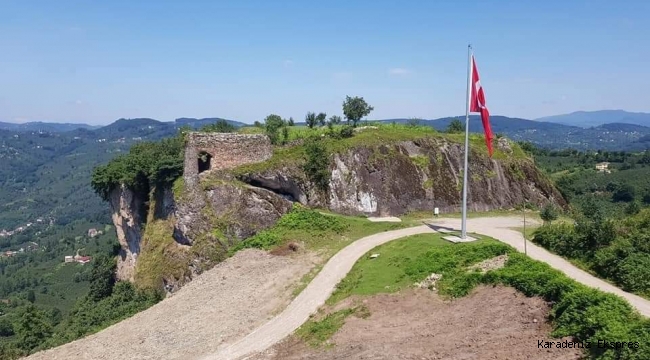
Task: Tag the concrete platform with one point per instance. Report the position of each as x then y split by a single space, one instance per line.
457 239
385 219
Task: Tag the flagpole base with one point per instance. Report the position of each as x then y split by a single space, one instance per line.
458 239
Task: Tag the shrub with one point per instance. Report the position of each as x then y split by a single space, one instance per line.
549 213
633 272
584 312
300 218
317 165
263 240
221 126
346 131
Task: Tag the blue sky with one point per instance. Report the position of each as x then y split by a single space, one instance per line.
97 61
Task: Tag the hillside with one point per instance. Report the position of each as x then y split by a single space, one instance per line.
586 119
45 126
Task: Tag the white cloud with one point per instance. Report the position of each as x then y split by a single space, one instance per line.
78 102
288 63
399 71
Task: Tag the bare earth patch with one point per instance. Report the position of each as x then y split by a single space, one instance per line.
491 323
221 305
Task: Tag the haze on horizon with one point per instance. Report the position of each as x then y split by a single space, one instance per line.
95 62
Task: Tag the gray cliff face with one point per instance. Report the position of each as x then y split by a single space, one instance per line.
126 212
418 175
235 210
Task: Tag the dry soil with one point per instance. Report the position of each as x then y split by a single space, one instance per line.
490 323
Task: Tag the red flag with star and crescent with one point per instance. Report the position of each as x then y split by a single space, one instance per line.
477 105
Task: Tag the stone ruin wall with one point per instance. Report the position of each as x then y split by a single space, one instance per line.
227 150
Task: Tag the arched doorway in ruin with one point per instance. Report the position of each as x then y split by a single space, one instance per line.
205 161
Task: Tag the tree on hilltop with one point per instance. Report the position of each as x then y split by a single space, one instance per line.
455 126
355 108
272 124
310 119
335 120
221 126
321 118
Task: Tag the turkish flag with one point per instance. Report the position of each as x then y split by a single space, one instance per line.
477 105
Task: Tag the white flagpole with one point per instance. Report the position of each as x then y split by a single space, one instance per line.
469 79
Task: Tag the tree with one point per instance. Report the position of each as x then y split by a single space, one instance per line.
624 193
221 126
646 197
6 328
285 134
335 120
455 126
548 213
645 159
632 208
32 327
102 278
355 108
272 125
290 122
31 297
317 165
321 118
310 119
413 122
257 124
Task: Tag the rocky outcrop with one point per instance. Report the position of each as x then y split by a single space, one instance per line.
416 175
218 209
127 211
232 209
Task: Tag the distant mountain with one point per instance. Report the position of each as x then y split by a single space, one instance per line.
614 136
587 119
45 126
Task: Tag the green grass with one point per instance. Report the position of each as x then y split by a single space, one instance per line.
416 217
160 257
316 333
322 232
404 262
383 134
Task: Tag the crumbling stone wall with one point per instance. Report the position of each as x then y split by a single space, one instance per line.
227 151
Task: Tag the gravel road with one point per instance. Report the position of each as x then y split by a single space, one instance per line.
221 305
340 264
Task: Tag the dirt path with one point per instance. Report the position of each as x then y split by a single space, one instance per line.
221 305
340 264
495 323
312 297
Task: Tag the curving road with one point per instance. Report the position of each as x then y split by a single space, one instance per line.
315 294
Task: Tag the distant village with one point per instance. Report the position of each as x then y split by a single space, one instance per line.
5 233
32 246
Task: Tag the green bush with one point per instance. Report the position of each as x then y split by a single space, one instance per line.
317 164
263 240
532 278
633 272
300 218
584 312
549 213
